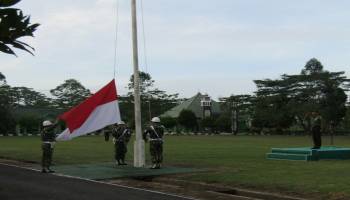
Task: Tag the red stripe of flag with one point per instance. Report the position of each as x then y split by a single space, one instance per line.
75 117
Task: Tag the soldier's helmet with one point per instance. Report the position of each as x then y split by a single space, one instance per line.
47 123
121 123
155 119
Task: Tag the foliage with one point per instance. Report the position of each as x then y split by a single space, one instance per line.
69 94
6 118
168 122
23 96
282 102
209 124
223 122
14 25
242 105
145 83
154 101
187 119
2 78
30 122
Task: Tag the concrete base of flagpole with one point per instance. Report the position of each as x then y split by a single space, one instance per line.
139 153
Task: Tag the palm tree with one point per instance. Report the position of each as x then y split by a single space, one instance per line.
14 25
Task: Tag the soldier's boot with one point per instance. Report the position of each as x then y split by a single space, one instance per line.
117 162
123 162
44 170
154 166
157 166
50 170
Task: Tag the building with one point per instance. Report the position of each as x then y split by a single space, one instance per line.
200 104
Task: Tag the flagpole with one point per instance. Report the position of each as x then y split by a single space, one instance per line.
139 144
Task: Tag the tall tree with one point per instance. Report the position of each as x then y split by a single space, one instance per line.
295 96
6 118
69 94
13 26
239 108
154 101
2 79
23 96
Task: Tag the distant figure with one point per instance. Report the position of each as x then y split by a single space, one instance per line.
107 132
121 136
48 136
316 130
154 133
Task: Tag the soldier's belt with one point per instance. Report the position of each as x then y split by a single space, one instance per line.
52 144
158 139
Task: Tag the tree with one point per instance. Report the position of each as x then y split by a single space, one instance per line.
14 25
23 96
209 123
187 119
2 79
224 122
6 118
238 107
154 101
70 94
146 82
292 98
168 122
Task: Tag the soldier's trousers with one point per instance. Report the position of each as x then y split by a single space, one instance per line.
47 155
120 150
156 150
316 136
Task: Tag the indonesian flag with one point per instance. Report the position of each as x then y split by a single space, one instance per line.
96 112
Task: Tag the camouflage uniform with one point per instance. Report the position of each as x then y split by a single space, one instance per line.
121 136
316 132
48 139
154 133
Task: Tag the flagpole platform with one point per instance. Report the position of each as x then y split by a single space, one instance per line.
309 154
104 171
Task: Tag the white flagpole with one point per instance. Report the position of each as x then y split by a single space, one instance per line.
139 144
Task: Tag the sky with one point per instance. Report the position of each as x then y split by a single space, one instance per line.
215 47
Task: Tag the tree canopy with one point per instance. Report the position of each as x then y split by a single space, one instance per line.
290 99
13 26
69 94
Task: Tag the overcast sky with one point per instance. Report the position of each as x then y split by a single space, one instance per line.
218 47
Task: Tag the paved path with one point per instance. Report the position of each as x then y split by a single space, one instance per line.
25 184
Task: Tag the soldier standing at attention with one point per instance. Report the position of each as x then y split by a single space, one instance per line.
48 141
154 133
316 130
121 136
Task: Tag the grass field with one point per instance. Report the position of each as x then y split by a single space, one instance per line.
235 161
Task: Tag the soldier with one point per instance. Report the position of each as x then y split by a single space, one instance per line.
316 130
107 132
48 141
121 136
154 133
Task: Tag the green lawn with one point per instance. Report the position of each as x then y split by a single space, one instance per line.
235 161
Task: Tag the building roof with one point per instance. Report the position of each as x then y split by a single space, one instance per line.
193 104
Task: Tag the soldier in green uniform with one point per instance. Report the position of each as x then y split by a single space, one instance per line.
316 130
154 133
121 136
48 136
107 132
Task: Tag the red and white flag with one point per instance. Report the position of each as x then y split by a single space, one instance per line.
96 112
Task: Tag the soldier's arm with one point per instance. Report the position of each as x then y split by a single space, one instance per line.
144 135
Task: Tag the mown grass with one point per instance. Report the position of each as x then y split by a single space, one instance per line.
230 160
